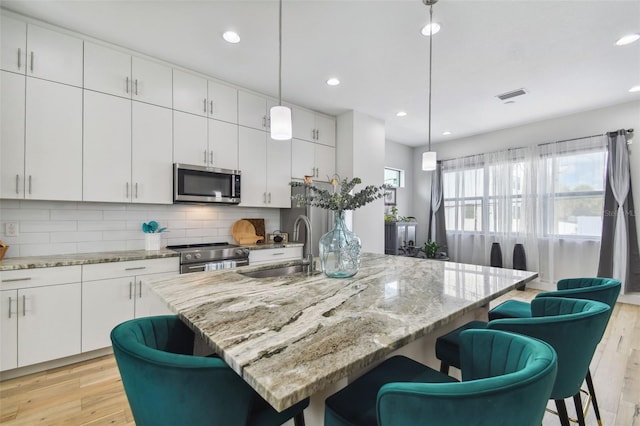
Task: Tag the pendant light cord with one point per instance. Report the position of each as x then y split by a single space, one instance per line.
280 54
430 64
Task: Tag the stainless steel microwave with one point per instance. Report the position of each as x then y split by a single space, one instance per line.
198 184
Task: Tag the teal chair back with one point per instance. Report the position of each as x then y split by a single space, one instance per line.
572 326
605 290
165 385
507 380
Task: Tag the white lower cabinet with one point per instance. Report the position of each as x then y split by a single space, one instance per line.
116 292
264 256
41 313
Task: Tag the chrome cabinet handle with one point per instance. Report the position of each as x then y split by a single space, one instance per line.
17 184
19 64
24 305
136 189
205 156
126 85
136 85
264 197
317 134
10 306
13 280
137 268
269 198
140 290
211 156
32 61
127 194
211 107
130 290
205 105
29 184
264 121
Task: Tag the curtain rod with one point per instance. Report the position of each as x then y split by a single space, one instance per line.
546 143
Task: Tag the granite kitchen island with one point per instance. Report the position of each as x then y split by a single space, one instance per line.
296 336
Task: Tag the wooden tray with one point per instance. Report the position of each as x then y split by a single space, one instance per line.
259 225
244 232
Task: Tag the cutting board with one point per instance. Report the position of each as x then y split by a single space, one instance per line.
259 225
244 232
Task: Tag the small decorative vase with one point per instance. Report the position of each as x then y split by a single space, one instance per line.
340 250
152 241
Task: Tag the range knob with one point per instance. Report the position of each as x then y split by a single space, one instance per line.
242 251
187 256
198 255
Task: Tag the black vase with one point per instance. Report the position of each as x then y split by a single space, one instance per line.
519 261
496 255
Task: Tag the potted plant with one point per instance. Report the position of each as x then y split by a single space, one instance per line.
431 249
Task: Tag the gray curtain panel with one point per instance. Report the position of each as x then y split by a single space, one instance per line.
437 231
631 280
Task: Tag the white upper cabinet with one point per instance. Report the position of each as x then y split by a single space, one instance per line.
54 56
325 130
13 42
53 141
223 102
253 110
190 139
313 127
312 159
223 145
266 169
325 161
197 95
12 117
40 52
116 73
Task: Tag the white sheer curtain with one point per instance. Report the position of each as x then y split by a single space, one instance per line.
548 198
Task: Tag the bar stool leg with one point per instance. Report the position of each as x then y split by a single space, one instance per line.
444 368
592 392
562 412
578 403
298 420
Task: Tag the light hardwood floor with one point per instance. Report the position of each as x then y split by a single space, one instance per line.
91 393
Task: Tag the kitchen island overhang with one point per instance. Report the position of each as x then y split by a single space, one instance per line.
292 336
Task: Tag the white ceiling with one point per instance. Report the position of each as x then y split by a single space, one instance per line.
562 52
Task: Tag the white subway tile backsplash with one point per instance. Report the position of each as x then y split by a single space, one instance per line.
47 227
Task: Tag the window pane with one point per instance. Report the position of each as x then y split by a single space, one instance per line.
578 215
580 172
394 177
472 211
449 185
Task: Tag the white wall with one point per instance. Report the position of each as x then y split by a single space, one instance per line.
361 151
398 156
47 227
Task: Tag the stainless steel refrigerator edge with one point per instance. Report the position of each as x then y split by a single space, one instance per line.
321 219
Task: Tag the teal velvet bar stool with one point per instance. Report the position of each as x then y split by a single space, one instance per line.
166 385
507 379
605 290
573 327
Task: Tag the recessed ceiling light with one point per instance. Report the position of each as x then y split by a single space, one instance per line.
627 39
333 81
231 37
446 133
635 89
427 30
401 114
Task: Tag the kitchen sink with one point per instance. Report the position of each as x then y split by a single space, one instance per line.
279 271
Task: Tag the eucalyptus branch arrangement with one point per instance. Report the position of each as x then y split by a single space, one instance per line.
337 199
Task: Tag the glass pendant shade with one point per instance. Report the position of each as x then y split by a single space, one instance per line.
429 161
281 123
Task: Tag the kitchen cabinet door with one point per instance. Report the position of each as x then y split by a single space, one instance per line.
223 145
303 122
12 117
107 148
278 173
8 329
54 56
252 154
302 159
151 82
325 130
151 154
325 161
53 141
252 111
190 139
223 102
189 93
13 45
148 303
49 325
105 304
107 70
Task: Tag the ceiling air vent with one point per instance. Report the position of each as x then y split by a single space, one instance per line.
512 94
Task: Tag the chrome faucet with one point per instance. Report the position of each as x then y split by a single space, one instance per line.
307 255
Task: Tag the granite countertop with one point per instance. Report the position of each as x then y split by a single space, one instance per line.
31 262
289 337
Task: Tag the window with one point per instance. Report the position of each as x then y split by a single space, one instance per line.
394 177
559 188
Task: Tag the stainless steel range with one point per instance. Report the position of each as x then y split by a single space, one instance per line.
210 257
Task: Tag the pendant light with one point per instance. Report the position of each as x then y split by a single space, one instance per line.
280 115
429 160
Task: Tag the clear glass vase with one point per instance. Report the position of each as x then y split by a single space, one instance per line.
340 250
